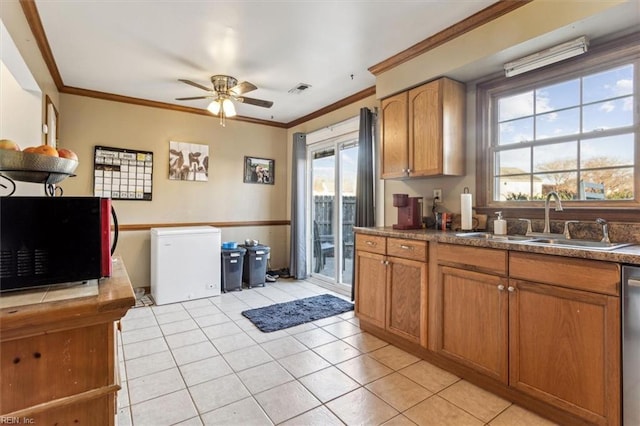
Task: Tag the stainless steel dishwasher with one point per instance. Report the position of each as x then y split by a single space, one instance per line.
631 345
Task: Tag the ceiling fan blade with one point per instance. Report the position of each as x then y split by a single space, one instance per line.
190 98
243 87
199 86
256 102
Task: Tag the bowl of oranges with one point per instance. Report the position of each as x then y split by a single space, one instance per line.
39 164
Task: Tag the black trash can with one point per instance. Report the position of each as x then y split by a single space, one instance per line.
231 265
255 265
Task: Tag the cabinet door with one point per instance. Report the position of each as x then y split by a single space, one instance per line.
425 130
407 299
472 320
565 349
370 287
395 157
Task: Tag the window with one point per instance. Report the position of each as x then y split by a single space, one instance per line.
572 128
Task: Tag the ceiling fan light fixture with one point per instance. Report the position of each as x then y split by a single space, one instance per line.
228 108
214 107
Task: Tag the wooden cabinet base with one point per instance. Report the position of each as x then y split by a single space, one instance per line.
95 407
496 387
58 359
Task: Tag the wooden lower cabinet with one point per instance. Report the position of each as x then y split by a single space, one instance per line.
391 291
541 330
565 349
58 359
371 287
472 312
406 299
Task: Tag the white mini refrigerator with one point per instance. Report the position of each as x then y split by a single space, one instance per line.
185 263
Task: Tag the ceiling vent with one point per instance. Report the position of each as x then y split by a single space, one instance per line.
301 87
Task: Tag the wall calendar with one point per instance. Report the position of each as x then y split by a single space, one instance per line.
122 174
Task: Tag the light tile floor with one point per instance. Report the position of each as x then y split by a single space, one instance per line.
201 362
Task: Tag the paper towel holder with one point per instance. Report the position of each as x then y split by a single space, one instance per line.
466 210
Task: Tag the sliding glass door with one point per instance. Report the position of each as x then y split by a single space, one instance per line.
332 209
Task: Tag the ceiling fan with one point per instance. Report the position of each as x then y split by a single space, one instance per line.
225 90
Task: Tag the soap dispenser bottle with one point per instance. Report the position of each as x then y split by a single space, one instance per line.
500 225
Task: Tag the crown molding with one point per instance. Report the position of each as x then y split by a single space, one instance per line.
163 105
474 21
334 106
33 19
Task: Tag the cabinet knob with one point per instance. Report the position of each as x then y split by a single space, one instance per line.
371 243
500 287
511 289
406 247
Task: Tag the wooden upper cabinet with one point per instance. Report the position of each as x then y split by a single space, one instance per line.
395 155
423 131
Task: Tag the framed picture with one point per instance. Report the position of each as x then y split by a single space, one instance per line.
51 120
188 161
259 170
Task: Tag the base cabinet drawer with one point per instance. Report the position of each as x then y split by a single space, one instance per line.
371 243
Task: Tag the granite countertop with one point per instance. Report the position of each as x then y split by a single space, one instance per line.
628 254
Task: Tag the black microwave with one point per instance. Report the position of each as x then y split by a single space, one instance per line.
53 240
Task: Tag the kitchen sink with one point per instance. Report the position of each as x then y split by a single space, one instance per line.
558 242
593 245
493 237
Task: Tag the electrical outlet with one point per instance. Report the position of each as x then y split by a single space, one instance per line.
437 194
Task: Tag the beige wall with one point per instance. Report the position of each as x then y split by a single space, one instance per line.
87 122
14 20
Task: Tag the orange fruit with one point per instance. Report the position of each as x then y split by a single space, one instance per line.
67 153
43 150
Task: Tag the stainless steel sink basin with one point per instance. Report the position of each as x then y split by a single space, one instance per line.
493 237
593 245
558 242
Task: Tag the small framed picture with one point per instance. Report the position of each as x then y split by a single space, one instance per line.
259 170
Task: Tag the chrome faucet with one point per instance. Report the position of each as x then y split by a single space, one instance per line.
605 230
556 197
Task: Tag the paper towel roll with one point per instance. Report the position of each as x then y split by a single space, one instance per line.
466 220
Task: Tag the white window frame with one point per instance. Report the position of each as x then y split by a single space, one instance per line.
605 56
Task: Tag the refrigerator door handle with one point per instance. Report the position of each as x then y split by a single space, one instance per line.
633 282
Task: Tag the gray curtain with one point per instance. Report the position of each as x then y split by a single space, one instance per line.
298 251
365 208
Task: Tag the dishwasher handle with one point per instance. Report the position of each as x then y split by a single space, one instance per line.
633 282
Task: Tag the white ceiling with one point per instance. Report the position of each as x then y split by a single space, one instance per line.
140 48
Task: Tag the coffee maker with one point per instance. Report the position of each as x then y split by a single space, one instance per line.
409 211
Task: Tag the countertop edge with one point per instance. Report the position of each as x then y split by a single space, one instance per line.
628 255
114 299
